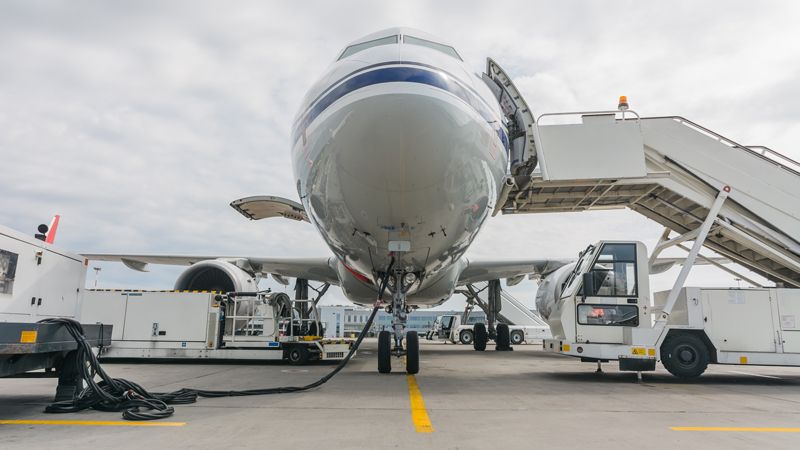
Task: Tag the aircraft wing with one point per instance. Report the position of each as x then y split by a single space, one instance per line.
515 271
477 271
314 269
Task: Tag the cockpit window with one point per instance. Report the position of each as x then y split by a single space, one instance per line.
446 49
355 48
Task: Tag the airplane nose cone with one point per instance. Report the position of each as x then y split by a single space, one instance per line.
418 167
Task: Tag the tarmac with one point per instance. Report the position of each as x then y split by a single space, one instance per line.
460 399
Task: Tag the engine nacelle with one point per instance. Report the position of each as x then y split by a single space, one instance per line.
216 275
549 292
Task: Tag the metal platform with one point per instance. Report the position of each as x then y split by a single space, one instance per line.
670 170
31 346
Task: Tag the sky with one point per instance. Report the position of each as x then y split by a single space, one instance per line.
139 122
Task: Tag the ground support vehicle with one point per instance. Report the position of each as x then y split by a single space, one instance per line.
599 310
40 281
213 325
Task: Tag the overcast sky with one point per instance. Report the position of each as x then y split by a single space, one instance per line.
139 122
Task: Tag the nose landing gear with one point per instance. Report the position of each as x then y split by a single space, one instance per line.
399 310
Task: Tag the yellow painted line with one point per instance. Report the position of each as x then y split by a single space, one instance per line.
93 423
419 415
742 429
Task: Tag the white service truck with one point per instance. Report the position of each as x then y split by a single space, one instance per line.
600 309
450 328
40 281
210 324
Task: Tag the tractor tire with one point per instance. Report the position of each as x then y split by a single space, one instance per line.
685 355
466 337
298 355
517 337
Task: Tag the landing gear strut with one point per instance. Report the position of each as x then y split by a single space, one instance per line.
492 329
399 310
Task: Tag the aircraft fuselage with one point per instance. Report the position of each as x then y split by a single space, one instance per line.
399 151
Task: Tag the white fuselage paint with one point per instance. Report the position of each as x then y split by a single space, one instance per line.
399 144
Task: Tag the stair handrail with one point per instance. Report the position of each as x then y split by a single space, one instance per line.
731 143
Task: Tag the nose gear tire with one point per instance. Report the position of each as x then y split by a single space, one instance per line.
412 352
384 352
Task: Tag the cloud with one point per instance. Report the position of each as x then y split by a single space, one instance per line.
139 121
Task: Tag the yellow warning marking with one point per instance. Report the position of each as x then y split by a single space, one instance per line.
637 351
743 429
93 423
743 360
28 337
565 347
419 415
651 352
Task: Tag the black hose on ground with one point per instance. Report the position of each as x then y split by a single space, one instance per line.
136 403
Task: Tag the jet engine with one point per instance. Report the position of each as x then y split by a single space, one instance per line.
216 275
549 292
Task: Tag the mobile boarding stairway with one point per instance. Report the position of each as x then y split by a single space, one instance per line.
671 170
668 169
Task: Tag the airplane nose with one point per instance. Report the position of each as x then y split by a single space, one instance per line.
413 149
412 166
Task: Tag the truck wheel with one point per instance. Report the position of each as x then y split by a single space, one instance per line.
685 355
384 352
517 337
412 352
503 338
465 337
480 337
298 355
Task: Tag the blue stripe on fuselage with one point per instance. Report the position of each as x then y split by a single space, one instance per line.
395 74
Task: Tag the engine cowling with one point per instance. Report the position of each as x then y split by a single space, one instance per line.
549 292
216 275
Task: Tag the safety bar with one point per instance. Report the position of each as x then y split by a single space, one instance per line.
594 113
731 143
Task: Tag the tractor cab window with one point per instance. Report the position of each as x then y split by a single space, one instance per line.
355 48
447 322
608 315
614 271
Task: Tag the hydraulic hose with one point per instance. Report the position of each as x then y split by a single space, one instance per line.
136 403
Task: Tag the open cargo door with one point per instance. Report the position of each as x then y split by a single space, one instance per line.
265 206
522 152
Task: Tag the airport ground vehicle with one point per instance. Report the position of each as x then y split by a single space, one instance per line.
450 328
39 281
604 313
210 324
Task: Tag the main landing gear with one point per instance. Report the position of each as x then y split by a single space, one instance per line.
481 334
399 310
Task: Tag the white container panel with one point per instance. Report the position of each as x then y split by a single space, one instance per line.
179 316
739 319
